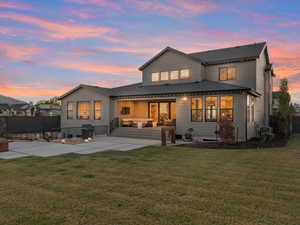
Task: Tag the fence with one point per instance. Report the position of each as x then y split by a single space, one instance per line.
295 124
25 124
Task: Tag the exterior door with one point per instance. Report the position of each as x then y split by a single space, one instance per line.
154 111
164 111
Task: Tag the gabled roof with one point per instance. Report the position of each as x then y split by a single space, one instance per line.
163 52
232 54
219 56
102 90
5 100
181 88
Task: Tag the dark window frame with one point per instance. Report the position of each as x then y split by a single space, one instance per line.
227 67
197 110
206 109
231 109
72 104
77 113
100 110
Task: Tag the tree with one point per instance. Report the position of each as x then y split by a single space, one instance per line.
285 109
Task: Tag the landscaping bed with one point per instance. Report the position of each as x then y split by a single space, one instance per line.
254 143
3 145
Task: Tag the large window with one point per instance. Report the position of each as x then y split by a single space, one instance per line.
197 109
250 108
227 73
70 111
174 75
185 74
83 110
226 110
97 110
164 76
155 76
211 106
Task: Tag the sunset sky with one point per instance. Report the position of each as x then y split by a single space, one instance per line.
50 46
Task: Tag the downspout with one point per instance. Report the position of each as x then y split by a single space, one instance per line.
246 119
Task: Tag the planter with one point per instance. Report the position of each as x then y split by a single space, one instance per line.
3 145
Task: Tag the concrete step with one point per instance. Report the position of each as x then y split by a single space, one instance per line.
137 133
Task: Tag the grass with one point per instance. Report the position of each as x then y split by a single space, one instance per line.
154 185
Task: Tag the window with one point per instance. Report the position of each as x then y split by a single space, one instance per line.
69 111
155 76
227 73
226 111
174 75
250 109
125 111
185 74
211 104
164 76
197 109
83 110
97 110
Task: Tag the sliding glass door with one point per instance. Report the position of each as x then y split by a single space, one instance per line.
162 111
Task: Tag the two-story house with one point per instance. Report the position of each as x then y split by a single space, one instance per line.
183 90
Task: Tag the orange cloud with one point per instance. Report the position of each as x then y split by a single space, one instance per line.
107 69
18 52
31 91
57 30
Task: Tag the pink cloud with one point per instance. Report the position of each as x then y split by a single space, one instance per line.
82 13
14 6
290 24
96 68
18 52
175 8
56 30
101 3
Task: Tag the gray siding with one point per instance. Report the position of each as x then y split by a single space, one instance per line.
245 73
74 125
207 129
172 61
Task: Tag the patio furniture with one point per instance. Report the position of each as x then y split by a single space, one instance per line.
135 122
87 131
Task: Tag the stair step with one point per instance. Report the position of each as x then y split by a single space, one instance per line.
137 133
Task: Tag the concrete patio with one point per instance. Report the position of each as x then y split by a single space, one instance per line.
100 144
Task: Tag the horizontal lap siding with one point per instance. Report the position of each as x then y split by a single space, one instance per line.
207 129
101 126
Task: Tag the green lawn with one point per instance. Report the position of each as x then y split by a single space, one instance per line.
154 186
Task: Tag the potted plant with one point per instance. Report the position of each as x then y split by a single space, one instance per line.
3 145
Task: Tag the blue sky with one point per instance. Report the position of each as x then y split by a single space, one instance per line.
48 47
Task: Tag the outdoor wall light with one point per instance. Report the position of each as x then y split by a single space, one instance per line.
63 141
184 98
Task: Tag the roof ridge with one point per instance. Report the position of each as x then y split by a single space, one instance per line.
238 46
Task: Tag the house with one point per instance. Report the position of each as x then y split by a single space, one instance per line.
47 109
13 107
183 90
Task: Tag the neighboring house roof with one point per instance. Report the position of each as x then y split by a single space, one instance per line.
104 91
194 87
163 52
5 100
233 54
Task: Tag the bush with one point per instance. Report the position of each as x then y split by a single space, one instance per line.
226 131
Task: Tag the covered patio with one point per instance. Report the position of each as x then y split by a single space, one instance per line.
146 113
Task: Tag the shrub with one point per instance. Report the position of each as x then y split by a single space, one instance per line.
226 131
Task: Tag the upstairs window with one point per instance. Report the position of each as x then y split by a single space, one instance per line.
155 77
83 110
185 74
227 73
226 110
174 75
211 106
197 109
97 110
164 76
70 111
